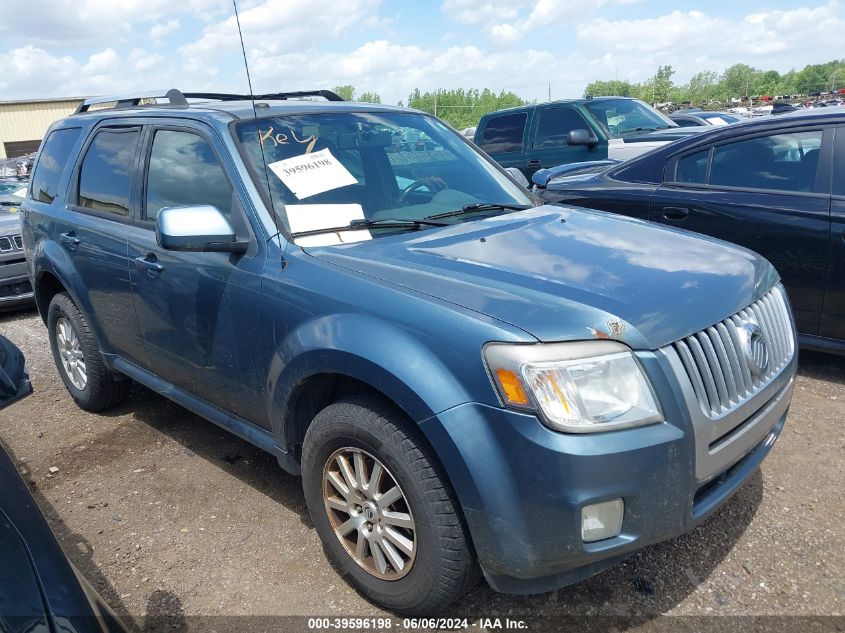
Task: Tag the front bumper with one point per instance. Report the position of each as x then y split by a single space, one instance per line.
522 485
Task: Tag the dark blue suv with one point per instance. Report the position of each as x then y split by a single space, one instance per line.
465 380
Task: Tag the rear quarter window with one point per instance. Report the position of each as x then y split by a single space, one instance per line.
51 162
692 168
504 133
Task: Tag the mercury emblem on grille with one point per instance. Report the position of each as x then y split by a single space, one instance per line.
755 348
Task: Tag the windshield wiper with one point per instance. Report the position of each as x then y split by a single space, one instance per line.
648 129
479 206
381 223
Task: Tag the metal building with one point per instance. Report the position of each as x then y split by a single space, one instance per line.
24 123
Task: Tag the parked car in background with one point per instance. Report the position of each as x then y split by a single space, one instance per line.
574 131
686 118
469 132
782 108
15 287
464 380
774 185
40 590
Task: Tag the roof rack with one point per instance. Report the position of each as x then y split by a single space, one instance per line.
328 95
178 98
175 97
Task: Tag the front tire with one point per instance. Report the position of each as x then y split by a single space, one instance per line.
78 359
382 509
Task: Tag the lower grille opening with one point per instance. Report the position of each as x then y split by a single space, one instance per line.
722 439
9 262
714 484
15 290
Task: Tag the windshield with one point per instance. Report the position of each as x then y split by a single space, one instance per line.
330 170
619 117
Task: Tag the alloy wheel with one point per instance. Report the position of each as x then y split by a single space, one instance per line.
369 513
70 353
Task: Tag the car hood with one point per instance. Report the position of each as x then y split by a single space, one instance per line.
560 273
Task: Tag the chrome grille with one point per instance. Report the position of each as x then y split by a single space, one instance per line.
18 242
5 244
715 358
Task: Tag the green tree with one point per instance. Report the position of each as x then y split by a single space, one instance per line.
462 108
659 87
369 97
703 86
346 92
739 80
612 88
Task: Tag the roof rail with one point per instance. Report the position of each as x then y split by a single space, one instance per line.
175 97
328 95
178 98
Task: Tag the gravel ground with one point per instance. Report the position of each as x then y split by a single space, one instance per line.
170 517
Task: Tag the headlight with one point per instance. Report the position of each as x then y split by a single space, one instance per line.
578 387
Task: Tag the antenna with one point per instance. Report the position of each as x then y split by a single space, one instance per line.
274 215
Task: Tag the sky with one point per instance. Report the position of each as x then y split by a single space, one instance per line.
63 48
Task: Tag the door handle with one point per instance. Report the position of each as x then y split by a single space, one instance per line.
150 264
70 240
675 213
535 162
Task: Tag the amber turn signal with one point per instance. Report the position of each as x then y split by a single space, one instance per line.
512 387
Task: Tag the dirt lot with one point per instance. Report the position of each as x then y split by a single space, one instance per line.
169 516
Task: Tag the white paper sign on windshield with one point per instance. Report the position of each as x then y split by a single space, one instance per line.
307 217
310 174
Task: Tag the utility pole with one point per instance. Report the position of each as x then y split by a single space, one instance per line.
435 103
550 91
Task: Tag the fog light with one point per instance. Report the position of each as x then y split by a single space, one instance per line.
601 520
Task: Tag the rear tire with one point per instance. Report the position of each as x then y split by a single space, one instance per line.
427 561
78 359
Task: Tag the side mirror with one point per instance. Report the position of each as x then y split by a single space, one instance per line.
198 229
581 137
14 381
541 177
517 175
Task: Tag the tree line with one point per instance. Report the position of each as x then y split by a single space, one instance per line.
460 108
739 80
463 108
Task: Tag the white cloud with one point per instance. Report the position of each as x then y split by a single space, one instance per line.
771 39
81 21
72 47
507 21
483 11
285 25
161 30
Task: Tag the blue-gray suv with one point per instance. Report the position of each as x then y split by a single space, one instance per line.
465 380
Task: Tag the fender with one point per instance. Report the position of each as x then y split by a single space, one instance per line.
49 256
367 349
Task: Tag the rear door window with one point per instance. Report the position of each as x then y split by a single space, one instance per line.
105 176
504 133
554 126
51 162
185 171
782 162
